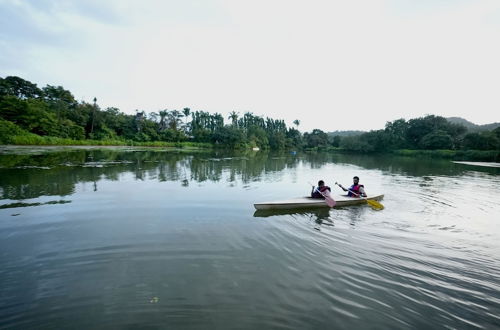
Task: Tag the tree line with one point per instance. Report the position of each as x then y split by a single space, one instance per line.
425 133
53 111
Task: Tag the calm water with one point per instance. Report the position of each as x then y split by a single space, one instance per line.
134 238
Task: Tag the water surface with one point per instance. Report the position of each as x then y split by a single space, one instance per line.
146 238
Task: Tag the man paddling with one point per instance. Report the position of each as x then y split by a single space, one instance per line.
356 190
320 192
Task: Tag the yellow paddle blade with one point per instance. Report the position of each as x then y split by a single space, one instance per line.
375 205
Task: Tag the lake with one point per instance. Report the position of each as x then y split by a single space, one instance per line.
115 238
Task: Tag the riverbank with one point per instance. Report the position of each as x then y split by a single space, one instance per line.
35 140
456 155
463 155
30 139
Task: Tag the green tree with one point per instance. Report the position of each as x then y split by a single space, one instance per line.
316 139
397 130
293 139
496 131
58 94
336 139
378 141
174 119
140 116
231 137
32 115
277 140
436 140
163 121
355 143
481 141
233 116
12 108
257 137
186 112
68 129
38 119
420 127
9 130
18 87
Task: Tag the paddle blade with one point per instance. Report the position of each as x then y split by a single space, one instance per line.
328 199
375 205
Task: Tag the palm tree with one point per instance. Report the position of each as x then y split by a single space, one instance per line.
93 116
296 122
163 114
139 118
233 115
186 112
174 119
153 116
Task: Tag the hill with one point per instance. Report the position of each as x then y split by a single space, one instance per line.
345 133
471 127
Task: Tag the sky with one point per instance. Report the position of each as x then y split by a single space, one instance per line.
333 65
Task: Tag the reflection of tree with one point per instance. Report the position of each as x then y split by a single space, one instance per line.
390 163
18 185
25 176
55 173
319 159
203 169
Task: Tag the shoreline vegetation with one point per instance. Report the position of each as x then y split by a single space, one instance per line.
51 116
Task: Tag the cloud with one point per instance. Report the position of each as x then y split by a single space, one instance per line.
331 64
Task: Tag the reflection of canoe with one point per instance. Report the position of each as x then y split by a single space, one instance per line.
308 202
320 213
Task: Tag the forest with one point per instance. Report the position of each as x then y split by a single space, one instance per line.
52 115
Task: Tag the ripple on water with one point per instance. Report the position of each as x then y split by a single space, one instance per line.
161 255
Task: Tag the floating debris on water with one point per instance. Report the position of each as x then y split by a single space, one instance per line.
21 204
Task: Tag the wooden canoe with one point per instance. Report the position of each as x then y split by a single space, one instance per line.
308 202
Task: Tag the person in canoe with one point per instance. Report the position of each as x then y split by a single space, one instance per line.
356 190
320 191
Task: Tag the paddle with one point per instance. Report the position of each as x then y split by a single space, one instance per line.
374 204
328 199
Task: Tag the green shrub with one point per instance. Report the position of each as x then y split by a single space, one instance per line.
8 130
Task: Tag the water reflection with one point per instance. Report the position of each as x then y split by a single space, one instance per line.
24 176
51 172
165 251
320 216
